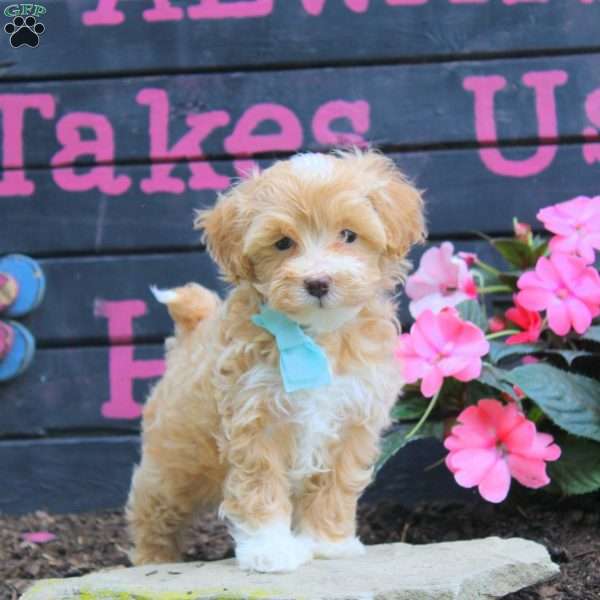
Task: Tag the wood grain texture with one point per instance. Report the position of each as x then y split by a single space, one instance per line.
462 196
408 106
66 475
286 34
77 287
90 473
63 392
67 389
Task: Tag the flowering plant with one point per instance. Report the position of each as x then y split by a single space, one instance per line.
502 362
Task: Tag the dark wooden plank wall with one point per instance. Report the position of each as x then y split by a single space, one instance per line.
131 114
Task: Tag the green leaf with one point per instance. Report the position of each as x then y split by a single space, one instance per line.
571 401
410 406
577 471
500 350
540 247
495 378
515 252
396 440
568 355
471 310
592 334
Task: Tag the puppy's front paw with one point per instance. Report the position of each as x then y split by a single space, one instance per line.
347 548
272 549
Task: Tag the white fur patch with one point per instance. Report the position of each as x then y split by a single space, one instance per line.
312 165
163 296
270 549
319 414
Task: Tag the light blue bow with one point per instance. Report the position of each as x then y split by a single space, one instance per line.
303 363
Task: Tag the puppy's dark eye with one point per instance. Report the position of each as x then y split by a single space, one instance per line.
284 243
348 236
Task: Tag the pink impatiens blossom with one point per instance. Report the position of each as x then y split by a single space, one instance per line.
494 441
576 224
529 321
440 345
442 280
564 286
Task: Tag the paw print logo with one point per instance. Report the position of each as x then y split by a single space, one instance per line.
24 31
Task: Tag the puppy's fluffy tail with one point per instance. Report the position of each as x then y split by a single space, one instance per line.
188 305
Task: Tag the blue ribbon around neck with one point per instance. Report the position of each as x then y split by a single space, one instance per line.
303 363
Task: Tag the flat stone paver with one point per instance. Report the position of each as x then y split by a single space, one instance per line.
478 569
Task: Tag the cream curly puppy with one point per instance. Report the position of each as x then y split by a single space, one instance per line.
320 239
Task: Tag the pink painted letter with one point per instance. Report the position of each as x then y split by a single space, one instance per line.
123 368
358 113
102 149
243 142
484 89
242 9
188 147
13 107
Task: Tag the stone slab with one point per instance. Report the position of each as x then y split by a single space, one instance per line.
471 570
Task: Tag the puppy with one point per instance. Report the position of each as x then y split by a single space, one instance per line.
321 239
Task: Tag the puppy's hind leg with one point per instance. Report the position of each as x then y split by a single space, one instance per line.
159 508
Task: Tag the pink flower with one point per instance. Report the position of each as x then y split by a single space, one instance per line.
494 441
38 537
522 231
528 320
576 224
470 258
564 286
440 345
441 280
496 324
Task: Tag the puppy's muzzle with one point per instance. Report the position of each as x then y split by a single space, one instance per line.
318 287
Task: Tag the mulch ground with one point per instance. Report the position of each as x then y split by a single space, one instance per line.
569 528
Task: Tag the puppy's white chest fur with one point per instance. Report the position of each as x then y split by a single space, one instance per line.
318 416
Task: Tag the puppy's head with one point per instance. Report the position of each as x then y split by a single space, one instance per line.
317 235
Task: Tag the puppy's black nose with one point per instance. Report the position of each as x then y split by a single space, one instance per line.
317 287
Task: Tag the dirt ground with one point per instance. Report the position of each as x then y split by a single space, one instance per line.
569 528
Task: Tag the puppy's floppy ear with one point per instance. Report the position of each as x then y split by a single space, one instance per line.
223 233
398 203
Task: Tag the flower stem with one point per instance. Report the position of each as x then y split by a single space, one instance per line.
494 288
497 334
424 416
487 267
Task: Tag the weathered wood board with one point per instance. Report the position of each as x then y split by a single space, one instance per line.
87 473
66 474
108 299
130 115
196 116
462 194
93 37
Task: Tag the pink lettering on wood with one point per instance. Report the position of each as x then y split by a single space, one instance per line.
189 147
242 9
591 149
105 13
163 11
484 89
124 369
315 7
102 149
358 113
243 142
513 2
13 107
